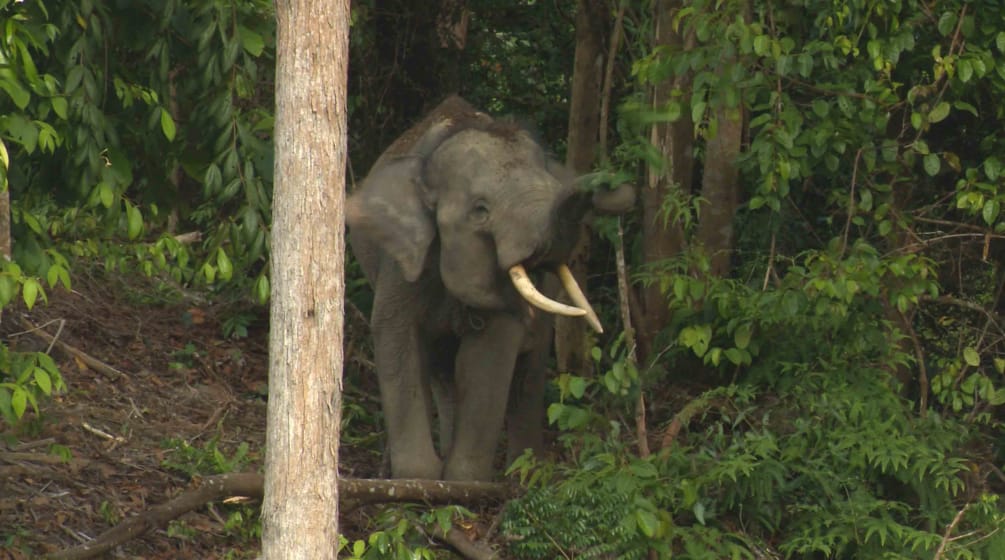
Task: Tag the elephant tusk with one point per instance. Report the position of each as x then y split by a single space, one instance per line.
578 297
523 284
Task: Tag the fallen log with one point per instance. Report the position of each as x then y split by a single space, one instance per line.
353 493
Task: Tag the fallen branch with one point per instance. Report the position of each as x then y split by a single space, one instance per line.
353 492
90 361
472 550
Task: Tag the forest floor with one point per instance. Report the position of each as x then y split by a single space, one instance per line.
188 402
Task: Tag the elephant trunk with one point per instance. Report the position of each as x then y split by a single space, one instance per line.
582 307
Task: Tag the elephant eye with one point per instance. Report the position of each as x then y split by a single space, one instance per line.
479 212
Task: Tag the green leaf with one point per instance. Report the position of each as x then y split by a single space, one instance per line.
735 355
15 90
1000 41
992 168
947 22
6 290
971 357
577 387
990 211
134 221
19 401
262 289
699 512
251 41
29 291
59 106
964 71
106 194
742 336
647 522
821 108
932 164
939 112
223 264
43 381
167 124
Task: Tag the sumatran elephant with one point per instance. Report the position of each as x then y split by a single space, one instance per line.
454 226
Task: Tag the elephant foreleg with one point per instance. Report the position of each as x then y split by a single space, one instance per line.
484 369
405 401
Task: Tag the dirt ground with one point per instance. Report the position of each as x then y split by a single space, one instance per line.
181 383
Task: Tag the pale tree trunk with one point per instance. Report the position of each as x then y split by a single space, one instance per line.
300 511
662 240
571 349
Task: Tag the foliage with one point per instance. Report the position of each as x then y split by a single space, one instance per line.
403 533
31 376
123 123
839 396
207 460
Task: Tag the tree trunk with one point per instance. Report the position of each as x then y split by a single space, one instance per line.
721 189
571 349
674 140
721 179
300 511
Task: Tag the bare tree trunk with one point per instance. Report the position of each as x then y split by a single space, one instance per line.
571 351
721 189
721 180
675 141
300 511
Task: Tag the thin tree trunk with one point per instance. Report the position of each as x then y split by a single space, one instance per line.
300 511
571 351
662 240
721 189
721 179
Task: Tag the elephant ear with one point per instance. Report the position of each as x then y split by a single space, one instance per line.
393 207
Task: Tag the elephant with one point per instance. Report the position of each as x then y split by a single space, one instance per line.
462 227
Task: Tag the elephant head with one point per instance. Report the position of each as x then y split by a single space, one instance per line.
478 200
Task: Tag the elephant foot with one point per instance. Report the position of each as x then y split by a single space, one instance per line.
467 470
429 468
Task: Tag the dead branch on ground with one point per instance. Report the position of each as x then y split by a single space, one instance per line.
353 492
97 365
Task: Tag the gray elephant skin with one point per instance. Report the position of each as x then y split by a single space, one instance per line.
455 215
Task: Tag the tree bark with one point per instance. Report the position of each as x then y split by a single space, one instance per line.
721 189
571 349
674 140
721 178
300 511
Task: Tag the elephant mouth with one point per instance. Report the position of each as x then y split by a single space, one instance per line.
581 307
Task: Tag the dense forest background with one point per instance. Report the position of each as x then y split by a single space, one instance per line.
809 358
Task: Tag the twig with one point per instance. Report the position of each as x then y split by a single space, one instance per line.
949 531
681 418
771 264
626 314
851 202
190 237
90 361
919 356
605 97
102 434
